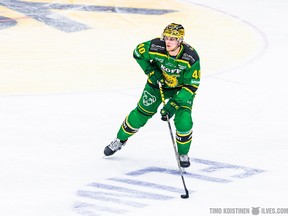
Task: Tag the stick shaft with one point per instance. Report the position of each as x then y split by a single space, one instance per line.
173 141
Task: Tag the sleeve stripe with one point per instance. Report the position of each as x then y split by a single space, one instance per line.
191 89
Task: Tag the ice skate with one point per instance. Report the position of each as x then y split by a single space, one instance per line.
114 146
184 161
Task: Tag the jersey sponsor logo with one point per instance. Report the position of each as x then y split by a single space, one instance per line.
188 57
195 82
155 47
159 60
182 67
168 70
148 98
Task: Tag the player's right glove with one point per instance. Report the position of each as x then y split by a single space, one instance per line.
156 76
169 110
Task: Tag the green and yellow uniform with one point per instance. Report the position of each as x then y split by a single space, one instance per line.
181 78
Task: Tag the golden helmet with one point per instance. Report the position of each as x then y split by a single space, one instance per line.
174 30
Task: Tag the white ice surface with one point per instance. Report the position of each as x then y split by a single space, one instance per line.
51 145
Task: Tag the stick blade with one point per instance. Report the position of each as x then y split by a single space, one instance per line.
186 195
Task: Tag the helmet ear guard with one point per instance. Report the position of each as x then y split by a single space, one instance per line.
174 30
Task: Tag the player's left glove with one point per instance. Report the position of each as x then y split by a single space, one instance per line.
169 109
156 76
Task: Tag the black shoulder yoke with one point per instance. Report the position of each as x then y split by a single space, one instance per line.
158 46
189 54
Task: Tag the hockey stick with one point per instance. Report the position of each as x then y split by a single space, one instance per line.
186 195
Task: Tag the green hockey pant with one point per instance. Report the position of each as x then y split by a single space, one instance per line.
147 106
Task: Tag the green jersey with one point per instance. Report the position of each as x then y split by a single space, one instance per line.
180 72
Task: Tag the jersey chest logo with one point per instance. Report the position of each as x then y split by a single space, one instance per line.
170 80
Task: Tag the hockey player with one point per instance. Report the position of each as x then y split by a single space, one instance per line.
175 64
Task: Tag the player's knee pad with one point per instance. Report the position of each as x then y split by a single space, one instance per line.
137 119
183 120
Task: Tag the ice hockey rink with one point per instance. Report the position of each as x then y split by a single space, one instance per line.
68 79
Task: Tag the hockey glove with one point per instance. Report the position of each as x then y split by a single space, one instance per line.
169 109
156 76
